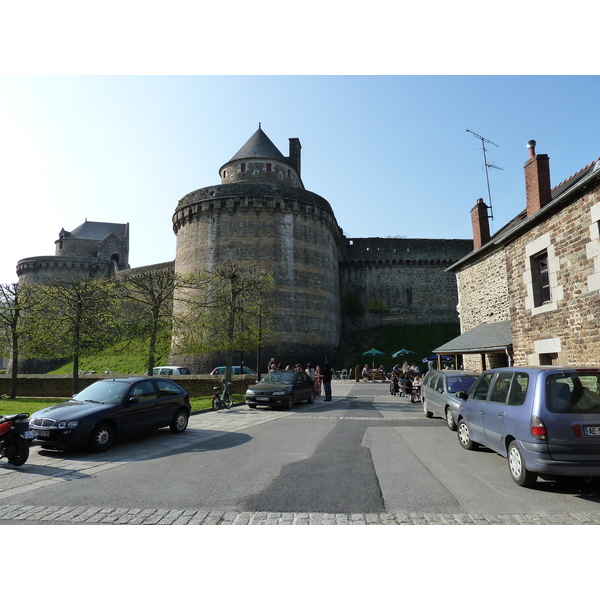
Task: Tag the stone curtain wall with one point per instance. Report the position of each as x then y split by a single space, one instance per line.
569 324
407 275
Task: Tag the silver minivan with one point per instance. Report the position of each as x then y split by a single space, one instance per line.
544 420
438 393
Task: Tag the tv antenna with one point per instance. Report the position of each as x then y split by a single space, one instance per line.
487 166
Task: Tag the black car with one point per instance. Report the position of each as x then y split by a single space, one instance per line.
109 408
281 388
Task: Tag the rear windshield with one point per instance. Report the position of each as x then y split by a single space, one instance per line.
460 383
573 392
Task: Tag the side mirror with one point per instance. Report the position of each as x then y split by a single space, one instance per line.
132 400
462 395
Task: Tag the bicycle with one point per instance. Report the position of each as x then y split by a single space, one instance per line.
224 400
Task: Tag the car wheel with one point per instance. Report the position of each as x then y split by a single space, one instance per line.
426 411
516 465
311 398
102 437
290 403
180 421
464 437
450 419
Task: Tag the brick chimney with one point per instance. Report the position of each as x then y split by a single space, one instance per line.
294 158
481 224
537 180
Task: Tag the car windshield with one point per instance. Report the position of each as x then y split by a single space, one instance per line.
573 393
106 392
284 377
460 383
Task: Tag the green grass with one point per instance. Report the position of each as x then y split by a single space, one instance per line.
31 405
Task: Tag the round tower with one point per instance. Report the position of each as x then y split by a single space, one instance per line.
262 213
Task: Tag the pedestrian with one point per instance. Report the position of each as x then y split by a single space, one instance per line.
310 371
272 366
327 375
318 380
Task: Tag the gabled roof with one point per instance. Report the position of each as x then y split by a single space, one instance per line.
561 194
258 146
93 230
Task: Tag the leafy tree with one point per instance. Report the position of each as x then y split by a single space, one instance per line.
14 301
226 309
71 318
149 295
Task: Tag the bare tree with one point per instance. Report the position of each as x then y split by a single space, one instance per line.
14 301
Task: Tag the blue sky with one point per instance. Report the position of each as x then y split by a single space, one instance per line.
390 153
115 115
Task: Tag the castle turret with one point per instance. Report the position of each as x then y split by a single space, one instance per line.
262 213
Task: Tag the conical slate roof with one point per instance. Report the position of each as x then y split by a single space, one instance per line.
258 146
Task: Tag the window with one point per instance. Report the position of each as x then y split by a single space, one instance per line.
243 167
540 279
518 390
481 391
541 276
268 167
501 386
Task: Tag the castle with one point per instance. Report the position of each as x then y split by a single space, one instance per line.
261 212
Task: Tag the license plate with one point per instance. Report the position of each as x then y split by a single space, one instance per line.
42 433
591 430
29 435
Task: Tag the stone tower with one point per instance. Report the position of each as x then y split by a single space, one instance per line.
262 213
94 249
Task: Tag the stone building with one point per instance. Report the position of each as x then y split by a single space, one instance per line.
261 212
530 294
91 250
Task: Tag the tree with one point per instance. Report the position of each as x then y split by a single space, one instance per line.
70 318
226 309
150 295
14 301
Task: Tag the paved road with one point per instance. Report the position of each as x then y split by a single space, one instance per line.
369 458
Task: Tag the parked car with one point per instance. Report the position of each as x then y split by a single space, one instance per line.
545 420
234 371
112 408
168 370
438 393
281 388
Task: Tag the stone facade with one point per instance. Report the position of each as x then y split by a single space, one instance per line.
541 272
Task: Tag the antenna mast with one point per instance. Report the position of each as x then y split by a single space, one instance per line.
487 166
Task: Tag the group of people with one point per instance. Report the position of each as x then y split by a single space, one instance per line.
405 379
319 375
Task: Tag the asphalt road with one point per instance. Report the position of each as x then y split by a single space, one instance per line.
367 457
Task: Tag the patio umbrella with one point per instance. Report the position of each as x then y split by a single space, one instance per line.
372 352
402 352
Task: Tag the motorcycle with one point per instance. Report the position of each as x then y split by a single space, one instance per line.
15 438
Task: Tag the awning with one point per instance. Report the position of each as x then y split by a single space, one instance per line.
487 337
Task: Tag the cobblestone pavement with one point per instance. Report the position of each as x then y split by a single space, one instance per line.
41 471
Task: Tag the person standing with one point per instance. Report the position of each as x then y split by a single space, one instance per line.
327 375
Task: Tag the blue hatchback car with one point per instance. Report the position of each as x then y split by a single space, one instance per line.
545 420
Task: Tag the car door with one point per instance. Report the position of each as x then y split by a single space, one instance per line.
142 414
302 384
493 411
472 409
